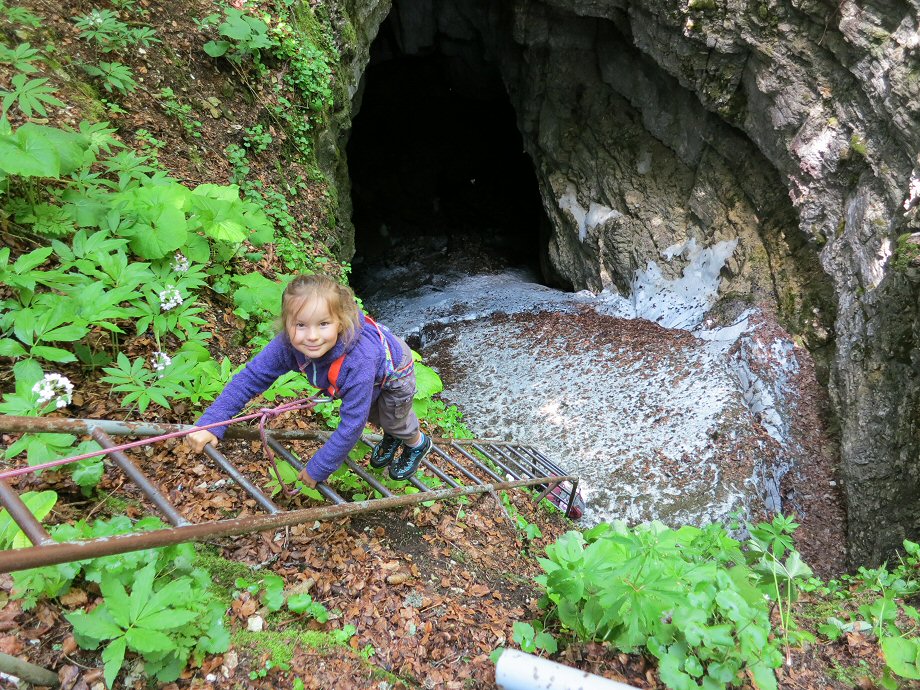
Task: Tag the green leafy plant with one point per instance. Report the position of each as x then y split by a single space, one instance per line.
256 139
782 570
21 58
247 37
39 504
532 638
140 384
109 33
309 74
114 75
30 95
163 618
531 531
270 591
20 15
155 602
181 111
679 594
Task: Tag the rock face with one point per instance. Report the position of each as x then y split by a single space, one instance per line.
792 128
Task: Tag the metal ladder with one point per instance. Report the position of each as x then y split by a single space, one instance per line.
478 468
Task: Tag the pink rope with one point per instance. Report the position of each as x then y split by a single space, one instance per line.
263 414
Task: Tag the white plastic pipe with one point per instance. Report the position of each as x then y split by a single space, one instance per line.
517 670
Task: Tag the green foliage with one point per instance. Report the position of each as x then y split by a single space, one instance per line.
21 58
309 75
115 205
256 139
858 145
530 530
258 300
114 75
907 251
156 602
181 111
19 15
781 574
30 95
271 592
104 29
680 594
247 37
880 596
39 151
39 504
532 638
140 384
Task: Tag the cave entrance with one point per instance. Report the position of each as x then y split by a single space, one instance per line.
438 168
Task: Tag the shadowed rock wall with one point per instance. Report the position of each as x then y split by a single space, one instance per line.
792 127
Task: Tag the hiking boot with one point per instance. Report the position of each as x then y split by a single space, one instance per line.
408 461
385 451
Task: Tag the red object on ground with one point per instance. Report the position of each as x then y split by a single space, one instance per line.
559 497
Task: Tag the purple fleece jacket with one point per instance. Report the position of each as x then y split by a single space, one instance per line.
359 386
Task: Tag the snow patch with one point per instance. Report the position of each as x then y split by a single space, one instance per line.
661 432
586 220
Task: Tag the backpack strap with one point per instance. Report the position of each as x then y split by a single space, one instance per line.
392 372
334 369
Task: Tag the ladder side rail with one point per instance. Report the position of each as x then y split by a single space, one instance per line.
64 552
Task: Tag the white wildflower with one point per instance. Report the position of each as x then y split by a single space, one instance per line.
54 388
170 298
180 264
159 362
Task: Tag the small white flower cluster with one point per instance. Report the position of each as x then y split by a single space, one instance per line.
54 387
170 298
913 192
159 362
181 264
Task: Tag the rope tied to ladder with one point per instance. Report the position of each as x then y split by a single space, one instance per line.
264 414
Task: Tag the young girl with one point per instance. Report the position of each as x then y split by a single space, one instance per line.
326 337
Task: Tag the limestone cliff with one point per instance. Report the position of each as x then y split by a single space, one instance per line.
792 127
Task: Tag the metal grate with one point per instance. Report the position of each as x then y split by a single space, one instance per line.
490 466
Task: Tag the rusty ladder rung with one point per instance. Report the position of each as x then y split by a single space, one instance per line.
237 476
148 488
476 462
22 516
457 466
327 491
520 469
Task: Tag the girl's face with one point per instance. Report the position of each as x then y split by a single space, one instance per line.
313 329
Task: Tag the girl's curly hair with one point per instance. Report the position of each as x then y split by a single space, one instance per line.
339 298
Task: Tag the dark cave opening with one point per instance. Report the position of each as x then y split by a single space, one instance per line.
438 168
